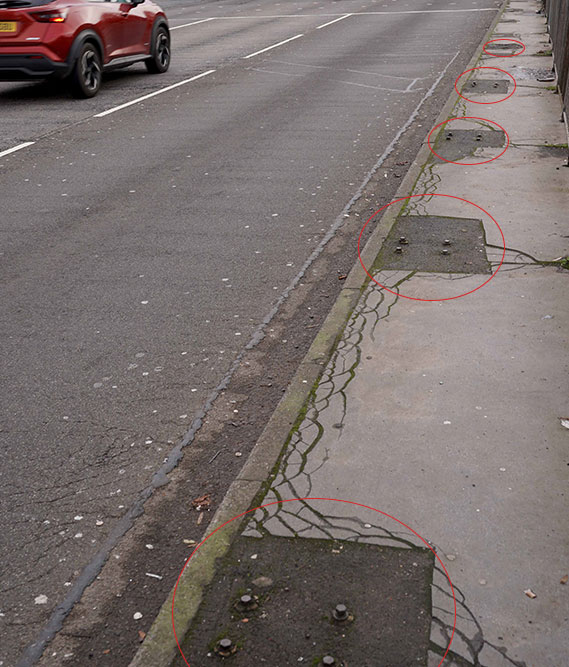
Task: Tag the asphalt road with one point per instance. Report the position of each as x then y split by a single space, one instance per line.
144 247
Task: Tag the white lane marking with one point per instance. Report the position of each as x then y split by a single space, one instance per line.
406 125
17 148
187 25
274 46
348 83
365 85
156 92
411 85
341 18
354 71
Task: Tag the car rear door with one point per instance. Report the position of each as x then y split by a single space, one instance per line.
105 17
137 24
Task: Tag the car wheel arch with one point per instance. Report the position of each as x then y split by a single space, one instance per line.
83 37
159 22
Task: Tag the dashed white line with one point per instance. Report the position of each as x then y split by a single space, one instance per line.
17 148
156 92
341 18
187 25
274 46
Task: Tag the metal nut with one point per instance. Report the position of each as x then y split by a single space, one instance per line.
246 603
447 242
340 612
399 249
328 660
403 240
445 252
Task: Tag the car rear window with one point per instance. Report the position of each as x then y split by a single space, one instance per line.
15 4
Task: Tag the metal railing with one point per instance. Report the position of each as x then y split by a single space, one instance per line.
557 12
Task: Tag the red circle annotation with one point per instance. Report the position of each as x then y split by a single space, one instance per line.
501 55
497 69
432 194
468 164
277 502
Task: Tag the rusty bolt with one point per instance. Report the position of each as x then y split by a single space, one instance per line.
340 612
328 660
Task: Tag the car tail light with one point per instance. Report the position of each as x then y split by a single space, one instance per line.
53 16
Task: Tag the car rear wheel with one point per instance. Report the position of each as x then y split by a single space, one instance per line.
87 72
159 60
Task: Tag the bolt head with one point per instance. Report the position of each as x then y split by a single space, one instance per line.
328 660
403 240
399 249
340 613
445 252
225 644
447 242
246 600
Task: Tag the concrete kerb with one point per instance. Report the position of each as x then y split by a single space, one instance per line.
159 648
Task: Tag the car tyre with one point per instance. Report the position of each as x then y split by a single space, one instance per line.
87 72
159 60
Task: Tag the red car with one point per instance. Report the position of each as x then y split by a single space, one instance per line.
78 40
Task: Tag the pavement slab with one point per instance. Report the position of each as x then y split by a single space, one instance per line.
291 616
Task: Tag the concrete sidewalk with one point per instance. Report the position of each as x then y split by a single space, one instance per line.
446 414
